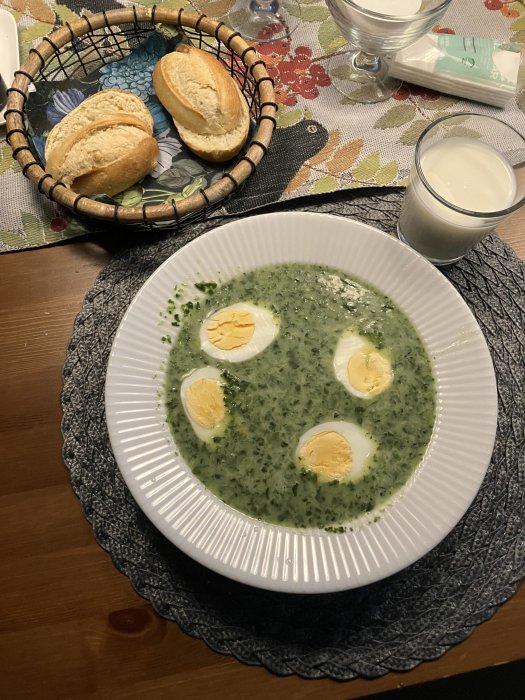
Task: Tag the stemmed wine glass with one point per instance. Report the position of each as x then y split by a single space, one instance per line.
267 20
374 29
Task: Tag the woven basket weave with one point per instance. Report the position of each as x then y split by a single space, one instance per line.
78 47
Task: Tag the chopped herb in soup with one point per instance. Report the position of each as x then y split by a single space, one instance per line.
299 395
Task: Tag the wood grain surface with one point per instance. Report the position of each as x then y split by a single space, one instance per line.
71 625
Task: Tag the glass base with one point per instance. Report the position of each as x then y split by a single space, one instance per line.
361 77
434 261
267 21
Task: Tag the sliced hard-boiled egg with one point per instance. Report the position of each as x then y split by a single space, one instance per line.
361 368
336 451
238 332
202 397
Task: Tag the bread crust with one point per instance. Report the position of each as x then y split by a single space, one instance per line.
207 106
217 148
197 91
136 108
124 170
122 173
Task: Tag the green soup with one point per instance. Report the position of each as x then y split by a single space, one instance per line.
276 396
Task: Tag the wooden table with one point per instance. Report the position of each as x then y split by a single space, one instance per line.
71 625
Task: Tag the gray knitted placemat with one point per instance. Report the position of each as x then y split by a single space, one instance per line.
392 625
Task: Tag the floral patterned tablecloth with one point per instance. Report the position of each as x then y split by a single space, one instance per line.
323 143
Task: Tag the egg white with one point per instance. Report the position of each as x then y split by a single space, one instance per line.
203 433
348 344
266 329
363 446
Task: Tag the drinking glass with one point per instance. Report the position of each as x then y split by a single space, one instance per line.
468 176
268 20
361 73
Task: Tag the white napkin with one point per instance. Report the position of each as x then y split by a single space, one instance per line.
473 67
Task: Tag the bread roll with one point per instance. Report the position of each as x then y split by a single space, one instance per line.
101 104
106 156
206 104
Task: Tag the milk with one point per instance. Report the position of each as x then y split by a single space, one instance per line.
467 173
372 32
394 8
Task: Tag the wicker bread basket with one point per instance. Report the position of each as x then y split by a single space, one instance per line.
75 48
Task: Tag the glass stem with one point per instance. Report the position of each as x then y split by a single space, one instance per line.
367 62
264 5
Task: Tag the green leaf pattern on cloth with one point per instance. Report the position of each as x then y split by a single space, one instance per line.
325 184
289 117
396 116
7 162
310 14
329 37
414 131
368 145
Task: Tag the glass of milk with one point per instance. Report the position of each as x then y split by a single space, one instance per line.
468 175
375 28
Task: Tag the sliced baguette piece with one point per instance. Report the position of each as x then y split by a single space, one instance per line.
107 156
207 106
221 147
197 91
102 104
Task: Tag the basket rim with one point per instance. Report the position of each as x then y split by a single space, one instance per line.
17 137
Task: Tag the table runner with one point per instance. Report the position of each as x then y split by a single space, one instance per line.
323 143
392 625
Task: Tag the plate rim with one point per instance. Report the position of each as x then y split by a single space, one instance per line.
247 577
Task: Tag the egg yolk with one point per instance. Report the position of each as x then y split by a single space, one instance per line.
230 329
369 371
205 402
328 454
